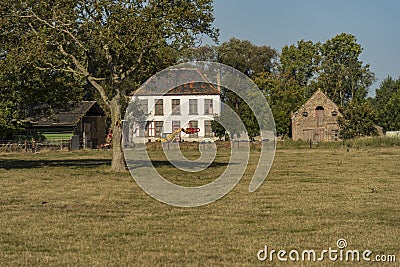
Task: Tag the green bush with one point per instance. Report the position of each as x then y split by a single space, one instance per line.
349 143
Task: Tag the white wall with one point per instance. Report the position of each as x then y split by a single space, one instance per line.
393 134
184 116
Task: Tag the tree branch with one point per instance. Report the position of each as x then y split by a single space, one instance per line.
133 68
92 80
68 69
110 62
57 28
32 28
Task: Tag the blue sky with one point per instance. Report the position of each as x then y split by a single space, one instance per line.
376 25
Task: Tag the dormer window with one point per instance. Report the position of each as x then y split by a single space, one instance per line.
305 113
334 113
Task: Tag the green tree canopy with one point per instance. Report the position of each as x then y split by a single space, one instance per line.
27 92
342 75
251 60
358 120
246 57
289 86
387 104
392 113
300 62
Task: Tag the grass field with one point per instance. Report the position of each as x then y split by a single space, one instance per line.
69 209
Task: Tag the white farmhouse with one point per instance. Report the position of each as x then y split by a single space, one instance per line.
192 105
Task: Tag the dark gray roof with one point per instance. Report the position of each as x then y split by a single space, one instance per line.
70 116
178 82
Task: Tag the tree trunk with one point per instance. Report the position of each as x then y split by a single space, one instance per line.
118 160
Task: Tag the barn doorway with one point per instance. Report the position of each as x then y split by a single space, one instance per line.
319 113
318 135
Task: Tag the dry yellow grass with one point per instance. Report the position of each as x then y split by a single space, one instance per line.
66 209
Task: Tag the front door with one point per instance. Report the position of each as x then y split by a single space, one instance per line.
175 126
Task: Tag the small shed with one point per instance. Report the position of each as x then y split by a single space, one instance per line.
84 123
316 120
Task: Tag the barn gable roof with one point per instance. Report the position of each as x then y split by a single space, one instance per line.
319 94
317 97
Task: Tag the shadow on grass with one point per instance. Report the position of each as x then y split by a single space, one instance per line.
80 163
30 164
166 163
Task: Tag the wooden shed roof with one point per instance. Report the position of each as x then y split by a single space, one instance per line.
69 116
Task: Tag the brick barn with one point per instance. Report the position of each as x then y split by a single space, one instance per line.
316 120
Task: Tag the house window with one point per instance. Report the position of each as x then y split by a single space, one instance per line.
159 128
192 106
208 106
334 113
139 131
207 128
305 114
144 105
193 124
159 107
176 108
149 129
176 125
319 113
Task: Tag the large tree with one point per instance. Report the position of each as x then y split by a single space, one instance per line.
251 60
342 75
113 45
300 63
358 120
284 95
246 57
392 113
289 87
387 104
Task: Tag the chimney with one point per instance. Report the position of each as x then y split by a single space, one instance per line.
219 82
